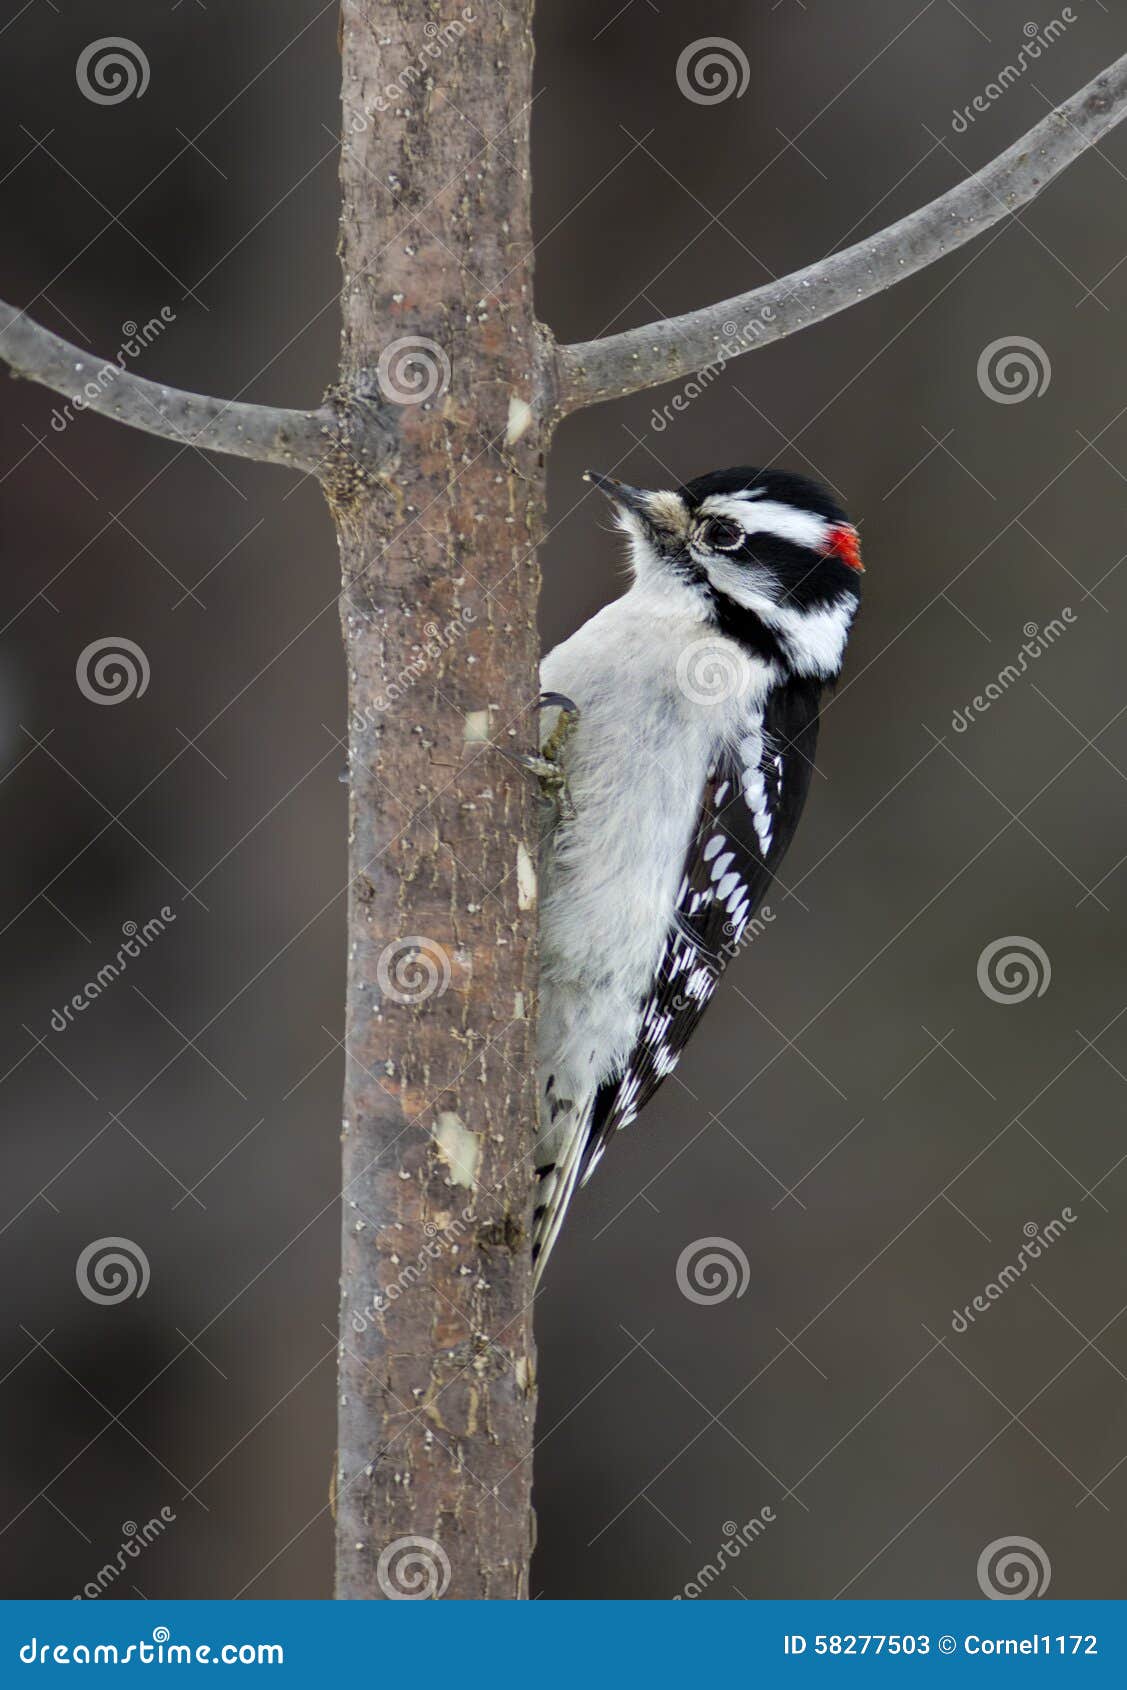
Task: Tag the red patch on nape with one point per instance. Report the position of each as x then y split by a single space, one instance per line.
844 542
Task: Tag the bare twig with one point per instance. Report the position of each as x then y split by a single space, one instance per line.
679 346
301 439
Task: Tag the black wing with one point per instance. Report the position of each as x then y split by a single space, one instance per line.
752 800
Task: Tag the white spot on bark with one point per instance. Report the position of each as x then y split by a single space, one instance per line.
459 1148
526 879
520 419
477 727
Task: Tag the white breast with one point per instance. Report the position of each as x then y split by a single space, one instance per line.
658 691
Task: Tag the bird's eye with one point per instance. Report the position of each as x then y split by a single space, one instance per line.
720 534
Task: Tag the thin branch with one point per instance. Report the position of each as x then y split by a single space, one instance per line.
301 439
680 346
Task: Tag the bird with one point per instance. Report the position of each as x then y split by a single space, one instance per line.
678 731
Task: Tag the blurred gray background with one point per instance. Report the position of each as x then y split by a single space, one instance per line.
859 1118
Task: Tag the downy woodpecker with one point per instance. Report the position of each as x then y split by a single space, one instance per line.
680 723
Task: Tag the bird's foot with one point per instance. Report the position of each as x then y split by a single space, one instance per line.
547 772
547 766
565 722
553 784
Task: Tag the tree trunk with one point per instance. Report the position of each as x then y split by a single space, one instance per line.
437 541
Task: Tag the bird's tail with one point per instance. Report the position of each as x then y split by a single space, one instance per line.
558 1178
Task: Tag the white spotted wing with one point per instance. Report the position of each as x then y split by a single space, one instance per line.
752 800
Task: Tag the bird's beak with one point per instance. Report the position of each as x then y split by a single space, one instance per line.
664 516
631 498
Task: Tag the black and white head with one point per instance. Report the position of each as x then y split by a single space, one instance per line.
769 558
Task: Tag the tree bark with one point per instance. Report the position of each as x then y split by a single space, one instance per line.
437 1378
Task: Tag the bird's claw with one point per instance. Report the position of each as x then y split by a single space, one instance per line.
557 701
547 765
542 767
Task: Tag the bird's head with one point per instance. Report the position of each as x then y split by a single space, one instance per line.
769 557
